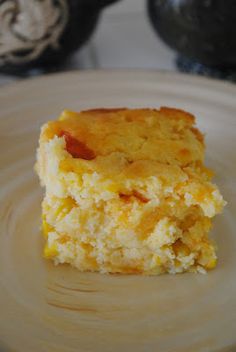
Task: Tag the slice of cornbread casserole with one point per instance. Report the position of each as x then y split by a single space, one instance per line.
127 192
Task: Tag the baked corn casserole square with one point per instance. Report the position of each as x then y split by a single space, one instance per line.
127 192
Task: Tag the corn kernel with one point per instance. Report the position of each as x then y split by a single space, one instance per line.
50 252
46 228
211 264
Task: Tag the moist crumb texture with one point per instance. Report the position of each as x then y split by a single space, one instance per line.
127 192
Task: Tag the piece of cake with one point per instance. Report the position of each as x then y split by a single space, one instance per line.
127 192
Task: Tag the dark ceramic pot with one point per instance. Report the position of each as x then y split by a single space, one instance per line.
200 30
42 33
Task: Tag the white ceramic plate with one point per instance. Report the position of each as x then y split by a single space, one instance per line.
48 308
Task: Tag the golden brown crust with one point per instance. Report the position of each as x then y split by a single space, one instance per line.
166 135
103 110
177 113
169 112
198 134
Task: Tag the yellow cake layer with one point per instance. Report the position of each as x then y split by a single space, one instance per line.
127 192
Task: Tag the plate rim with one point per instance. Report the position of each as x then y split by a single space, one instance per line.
213 83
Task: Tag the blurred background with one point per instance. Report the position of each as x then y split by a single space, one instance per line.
43 36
